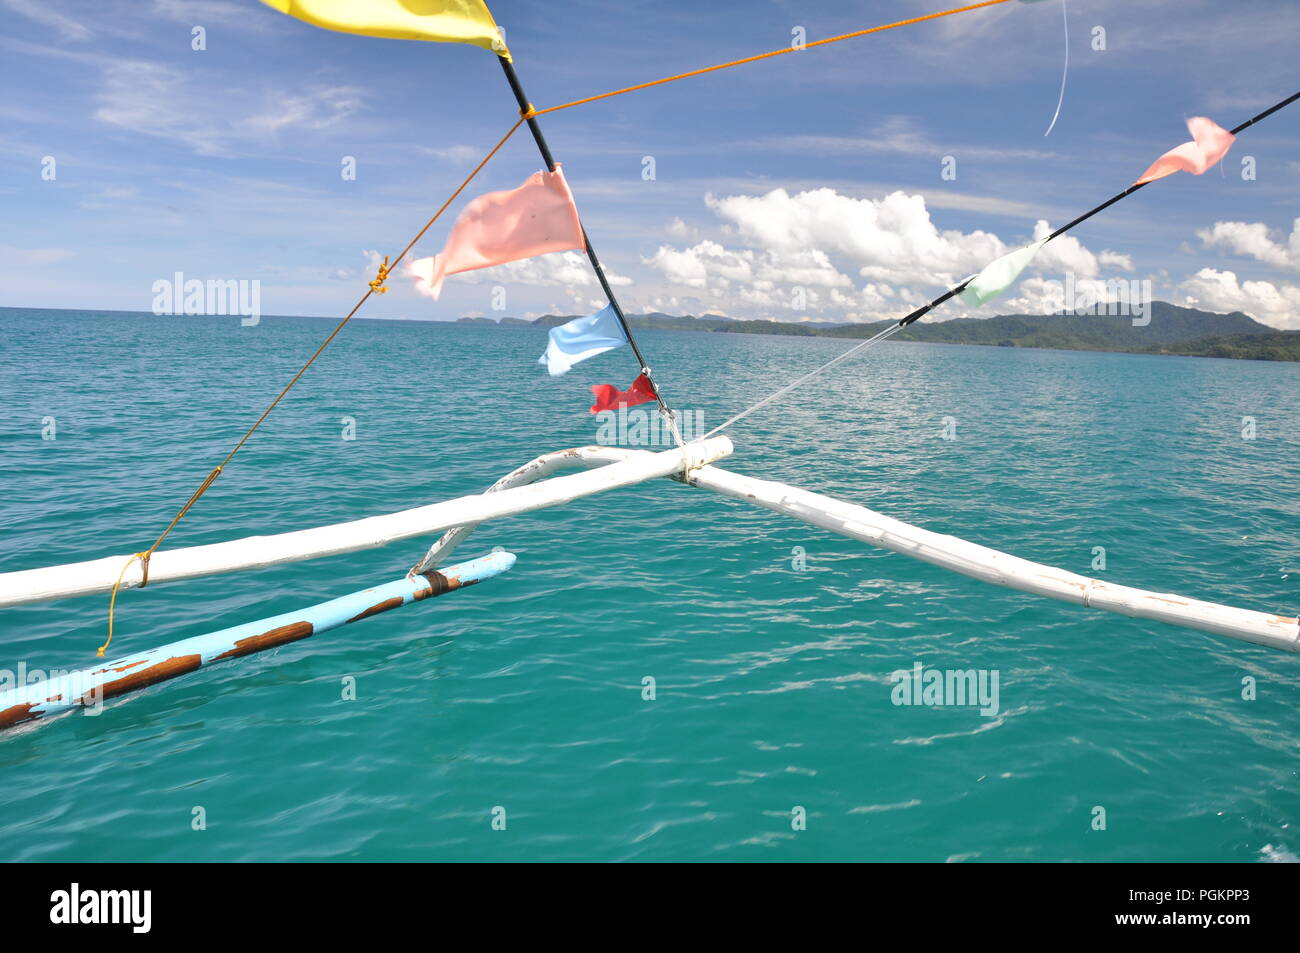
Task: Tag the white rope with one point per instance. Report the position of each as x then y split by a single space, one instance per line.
811 374
670 418
1066 72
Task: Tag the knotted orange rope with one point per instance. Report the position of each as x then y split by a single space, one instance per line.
377 283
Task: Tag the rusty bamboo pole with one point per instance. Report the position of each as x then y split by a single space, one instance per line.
90 688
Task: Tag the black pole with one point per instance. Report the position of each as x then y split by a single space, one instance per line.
525 108
925 309
1133 188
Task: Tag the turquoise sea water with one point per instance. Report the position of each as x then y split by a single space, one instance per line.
773 684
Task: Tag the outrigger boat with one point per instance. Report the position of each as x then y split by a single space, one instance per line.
535 485
531 487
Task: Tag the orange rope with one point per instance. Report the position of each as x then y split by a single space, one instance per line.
376 286
771 53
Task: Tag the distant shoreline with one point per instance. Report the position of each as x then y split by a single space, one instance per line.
1165 329
1169 330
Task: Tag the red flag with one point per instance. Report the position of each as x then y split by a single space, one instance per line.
609 397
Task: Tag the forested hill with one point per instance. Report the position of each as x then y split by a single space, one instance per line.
1169 330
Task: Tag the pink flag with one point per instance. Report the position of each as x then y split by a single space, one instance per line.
536 218
1210 143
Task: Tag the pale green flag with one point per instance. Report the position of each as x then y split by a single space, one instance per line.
999 275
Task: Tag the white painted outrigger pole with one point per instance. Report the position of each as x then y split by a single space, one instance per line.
255 552
532 471
1001 569
950 552
517 493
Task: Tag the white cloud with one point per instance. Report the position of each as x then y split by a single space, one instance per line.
708 264
459 154
156 100
564 269
679 229
1276 304
888 239
38 11
319 108
1253 239
1114 259
1032 296
1050 295
899 135
685 267
792 247
1067 253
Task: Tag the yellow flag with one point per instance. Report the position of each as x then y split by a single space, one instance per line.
446 21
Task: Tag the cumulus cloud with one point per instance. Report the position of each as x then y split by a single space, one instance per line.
1276 304
1067 253
1033 296
1253 240
888 239
709 264
679 229
797 251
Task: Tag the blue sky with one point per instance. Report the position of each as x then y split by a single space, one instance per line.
818 171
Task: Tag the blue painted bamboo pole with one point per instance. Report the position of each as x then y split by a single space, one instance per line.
91 687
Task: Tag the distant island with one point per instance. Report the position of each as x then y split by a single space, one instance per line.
1171 330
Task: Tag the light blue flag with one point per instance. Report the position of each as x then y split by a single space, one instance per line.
582 338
